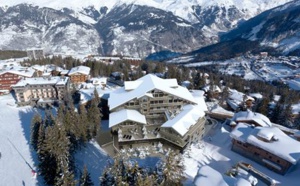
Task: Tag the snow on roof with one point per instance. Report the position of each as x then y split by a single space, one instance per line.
236 95
130 85
38 67
215 88
252 116
256 95
211 177
80 69
86 94
42 81
284 146
188 116
125 115
220 110
185 119
265 134
26 72
63 72
143 86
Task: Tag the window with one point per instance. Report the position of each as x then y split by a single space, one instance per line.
278 161
256 154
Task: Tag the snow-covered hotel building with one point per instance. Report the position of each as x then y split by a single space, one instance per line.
264 143
151 110
40 90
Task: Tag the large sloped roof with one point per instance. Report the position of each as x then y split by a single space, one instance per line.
142 86
21 71
80 69
248 115
118 117
283 146
42 81
188 116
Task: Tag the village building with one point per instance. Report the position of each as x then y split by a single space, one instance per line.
41 90
12 75
268 146
79 74
152 110
252 118
116 78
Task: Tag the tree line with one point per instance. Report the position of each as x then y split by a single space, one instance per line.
196 77
56 139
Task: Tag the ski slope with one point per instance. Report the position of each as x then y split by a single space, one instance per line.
16 157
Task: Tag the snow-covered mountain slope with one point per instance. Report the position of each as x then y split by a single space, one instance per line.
141 30
24 26
181 8
111 27
278 28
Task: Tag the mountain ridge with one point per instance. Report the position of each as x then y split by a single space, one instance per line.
135 28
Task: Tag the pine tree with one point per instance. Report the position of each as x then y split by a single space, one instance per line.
263 106
83 123
57 144
276 113
173 169
96 98
297 122
224 96
34 134
47 162
285 117
94 118
85 178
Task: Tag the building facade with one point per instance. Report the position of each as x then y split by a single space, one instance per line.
151 110
10 77
268 146
79 74
41 90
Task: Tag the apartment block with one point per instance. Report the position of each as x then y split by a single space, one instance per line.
41 90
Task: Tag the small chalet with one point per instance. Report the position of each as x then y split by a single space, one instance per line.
252 118
79 74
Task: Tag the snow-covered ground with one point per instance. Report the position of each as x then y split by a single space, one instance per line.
18 159
215 152
285 69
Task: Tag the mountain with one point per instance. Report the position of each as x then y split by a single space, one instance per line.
127 27
278 28
24 26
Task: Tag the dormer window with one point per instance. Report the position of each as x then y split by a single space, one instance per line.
265 135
